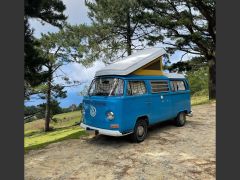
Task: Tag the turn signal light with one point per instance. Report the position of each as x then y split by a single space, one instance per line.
114 126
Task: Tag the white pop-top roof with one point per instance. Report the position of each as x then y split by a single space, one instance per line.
131 63
174 75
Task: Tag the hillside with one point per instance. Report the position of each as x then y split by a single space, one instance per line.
65 127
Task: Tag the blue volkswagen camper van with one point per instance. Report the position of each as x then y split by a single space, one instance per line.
129 95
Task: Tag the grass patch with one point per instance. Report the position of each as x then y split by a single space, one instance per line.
42 139
65 123
63 128
68 115
62 120
197 100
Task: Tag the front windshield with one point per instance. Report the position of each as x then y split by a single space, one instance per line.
106 87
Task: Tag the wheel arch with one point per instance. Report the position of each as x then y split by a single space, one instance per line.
183 110
144 117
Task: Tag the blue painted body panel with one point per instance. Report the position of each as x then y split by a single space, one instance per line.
127 109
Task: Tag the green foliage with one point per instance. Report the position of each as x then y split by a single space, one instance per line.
116 28
29 110
184 25
33 74
181 66
190 65
198 81
80 106
69 45
38 112
32 113
196 71
50 11
54 108
57 50
190 26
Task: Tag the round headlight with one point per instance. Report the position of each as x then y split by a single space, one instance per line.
110 115
83 111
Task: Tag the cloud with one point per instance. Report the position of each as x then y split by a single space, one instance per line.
83 74
77 72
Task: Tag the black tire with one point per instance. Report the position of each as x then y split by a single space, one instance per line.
180 120
140 131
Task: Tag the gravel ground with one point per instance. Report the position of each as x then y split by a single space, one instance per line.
169 152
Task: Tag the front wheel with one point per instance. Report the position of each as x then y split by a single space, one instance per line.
180 119
140 131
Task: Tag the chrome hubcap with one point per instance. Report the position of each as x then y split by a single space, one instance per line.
140 131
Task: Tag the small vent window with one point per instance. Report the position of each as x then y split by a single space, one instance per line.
159 86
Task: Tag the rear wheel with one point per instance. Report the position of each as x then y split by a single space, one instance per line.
180 119
140 131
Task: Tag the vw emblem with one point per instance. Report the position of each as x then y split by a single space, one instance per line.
93 111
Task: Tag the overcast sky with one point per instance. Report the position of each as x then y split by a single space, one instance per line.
77 14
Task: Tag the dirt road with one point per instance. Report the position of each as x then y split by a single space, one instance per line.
168 152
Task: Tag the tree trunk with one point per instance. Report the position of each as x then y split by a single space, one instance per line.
48 103
129 39
212 78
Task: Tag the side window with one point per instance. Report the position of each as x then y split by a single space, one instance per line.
159 86
181 86
136 88
177 85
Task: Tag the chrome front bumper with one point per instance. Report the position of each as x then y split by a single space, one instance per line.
102 131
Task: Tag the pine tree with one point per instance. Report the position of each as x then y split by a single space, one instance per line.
47 11
186 25
59 49
116 30
55 50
